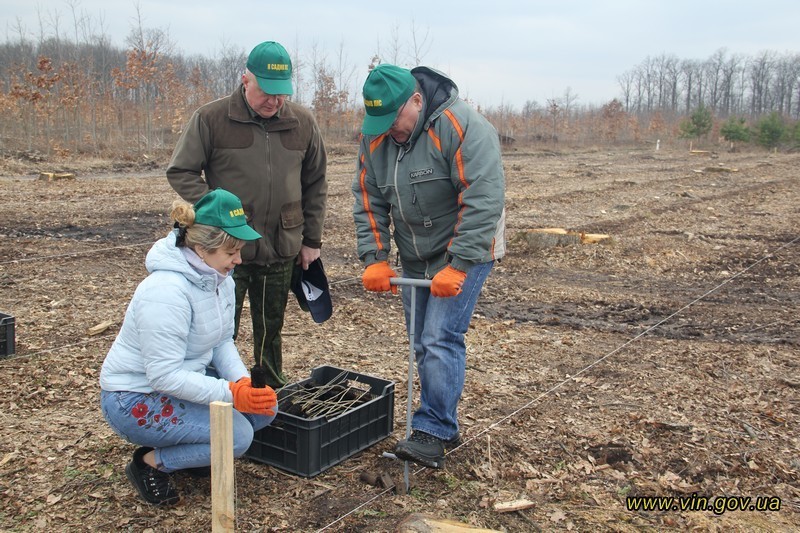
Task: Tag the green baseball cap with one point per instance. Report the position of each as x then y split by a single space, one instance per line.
222 209
387 88
272 67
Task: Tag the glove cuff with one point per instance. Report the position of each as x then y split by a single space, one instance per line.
460 264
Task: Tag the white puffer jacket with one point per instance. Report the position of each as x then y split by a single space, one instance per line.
178 322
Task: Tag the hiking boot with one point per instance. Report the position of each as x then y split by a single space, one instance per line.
455 442
425 449
154 486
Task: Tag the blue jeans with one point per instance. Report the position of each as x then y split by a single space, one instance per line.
179 431
441 353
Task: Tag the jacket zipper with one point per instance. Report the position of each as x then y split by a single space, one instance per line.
219 314
401 152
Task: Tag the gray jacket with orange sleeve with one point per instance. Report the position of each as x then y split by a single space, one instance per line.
443 190
275 166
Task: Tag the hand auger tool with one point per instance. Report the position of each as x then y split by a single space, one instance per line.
413 284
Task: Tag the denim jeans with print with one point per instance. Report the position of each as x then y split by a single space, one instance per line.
179 431
441 352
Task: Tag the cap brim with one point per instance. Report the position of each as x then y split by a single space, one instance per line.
377 125
270 86
243 233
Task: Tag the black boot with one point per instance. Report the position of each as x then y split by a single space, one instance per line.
425 449
154 486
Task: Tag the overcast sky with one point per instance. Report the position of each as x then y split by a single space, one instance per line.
497 51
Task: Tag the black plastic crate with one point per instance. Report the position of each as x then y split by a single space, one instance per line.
308 446
7 345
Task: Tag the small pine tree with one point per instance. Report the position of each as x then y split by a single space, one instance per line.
698 124
735 130
771 130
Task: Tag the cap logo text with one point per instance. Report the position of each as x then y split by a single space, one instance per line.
373 103
237 212
277 66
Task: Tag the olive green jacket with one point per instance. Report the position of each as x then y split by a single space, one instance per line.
442 193
276 167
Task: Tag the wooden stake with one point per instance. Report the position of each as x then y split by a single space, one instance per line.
223 510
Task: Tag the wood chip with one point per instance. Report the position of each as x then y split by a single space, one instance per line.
516 505
99 328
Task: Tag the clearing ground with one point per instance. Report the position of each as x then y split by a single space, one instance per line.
664 362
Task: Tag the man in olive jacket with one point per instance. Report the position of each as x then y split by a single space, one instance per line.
429 168
269 152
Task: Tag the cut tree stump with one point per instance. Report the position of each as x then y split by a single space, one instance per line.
53 176
541 238
421 523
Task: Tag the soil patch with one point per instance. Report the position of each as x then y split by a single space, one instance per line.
662 363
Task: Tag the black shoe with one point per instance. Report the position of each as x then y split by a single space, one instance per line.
154 487
424 449
198 472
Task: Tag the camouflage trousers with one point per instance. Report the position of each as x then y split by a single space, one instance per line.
268 290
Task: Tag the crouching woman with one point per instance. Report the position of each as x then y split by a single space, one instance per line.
174 353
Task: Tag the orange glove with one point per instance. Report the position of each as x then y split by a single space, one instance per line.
247 399
447 282
376 278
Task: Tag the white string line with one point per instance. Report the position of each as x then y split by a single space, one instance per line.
84 252
339 282
627 343
95 250
582 371
48 350
87 341
71 254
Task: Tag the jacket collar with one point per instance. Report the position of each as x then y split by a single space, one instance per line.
240 111
164 255
200 266
438 92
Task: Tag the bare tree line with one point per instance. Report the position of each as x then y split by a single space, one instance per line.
727 84
74 91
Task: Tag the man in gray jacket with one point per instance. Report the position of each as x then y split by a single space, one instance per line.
268 151
429 166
